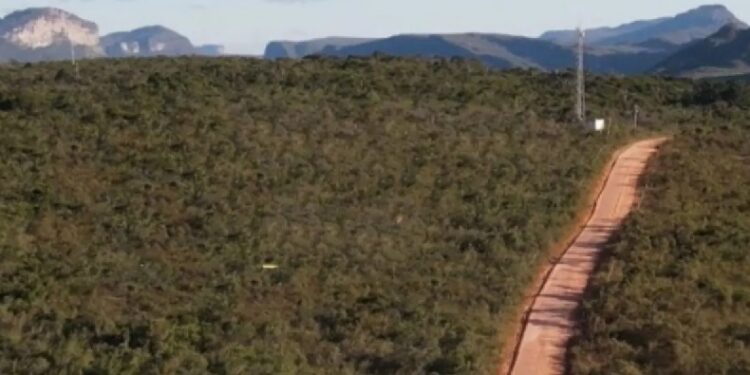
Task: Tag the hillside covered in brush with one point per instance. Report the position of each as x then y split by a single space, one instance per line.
235 216
674 297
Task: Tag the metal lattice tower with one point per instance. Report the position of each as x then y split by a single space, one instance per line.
581 79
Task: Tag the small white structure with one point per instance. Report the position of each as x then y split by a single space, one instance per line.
598 125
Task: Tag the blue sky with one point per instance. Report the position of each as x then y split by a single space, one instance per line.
245 26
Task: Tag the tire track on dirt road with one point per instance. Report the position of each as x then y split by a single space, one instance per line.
551 320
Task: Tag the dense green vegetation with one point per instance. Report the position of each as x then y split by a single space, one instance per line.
405 203
674 298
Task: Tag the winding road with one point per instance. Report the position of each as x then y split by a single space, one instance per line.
551 320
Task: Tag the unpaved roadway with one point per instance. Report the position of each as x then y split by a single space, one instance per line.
551 321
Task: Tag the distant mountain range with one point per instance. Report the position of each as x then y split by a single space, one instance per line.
706 41
495 50
40 34
726 53
632 48
295 50
683 28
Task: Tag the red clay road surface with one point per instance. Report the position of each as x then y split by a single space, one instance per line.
551 320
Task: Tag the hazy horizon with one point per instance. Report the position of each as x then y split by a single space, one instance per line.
246 27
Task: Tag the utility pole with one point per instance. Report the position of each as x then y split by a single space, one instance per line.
73 58
581 79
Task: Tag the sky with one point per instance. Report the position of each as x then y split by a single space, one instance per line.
245 26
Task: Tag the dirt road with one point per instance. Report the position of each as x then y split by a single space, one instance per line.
551 320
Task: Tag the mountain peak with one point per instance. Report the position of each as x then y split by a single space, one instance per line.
147 41
41 34
710 7
40 12
43 27
694 24
710 13
727 52
153 29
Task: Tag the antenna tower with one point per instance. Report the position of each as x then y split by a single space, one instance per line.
581 79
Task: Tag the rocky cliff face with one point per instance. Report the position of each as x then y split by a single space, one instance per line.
147 41
40 34
44 27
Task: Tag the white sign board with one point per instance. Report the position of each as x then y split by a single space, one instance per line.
598 125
